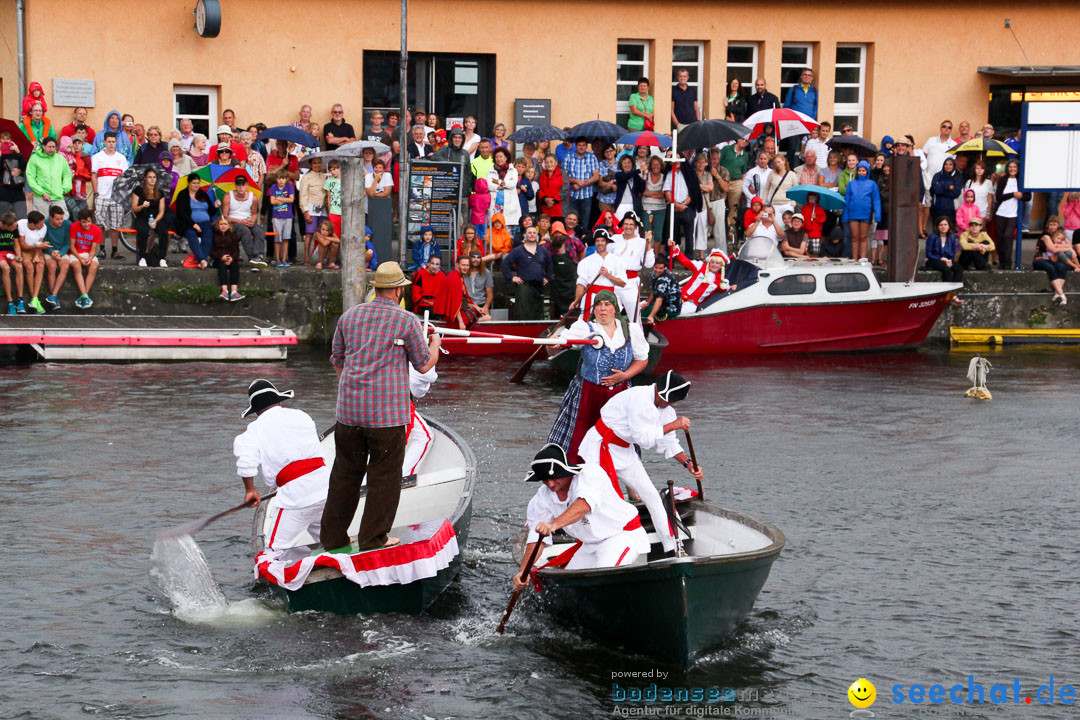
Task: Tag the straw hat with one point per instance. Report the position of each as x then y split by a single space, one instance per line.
389 275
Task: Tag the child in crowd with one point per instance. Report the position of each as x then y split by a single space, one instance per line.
525 192
1067 256
313 205
225 252
524 224
282 195
328 245
750 217
967 210
11 262
84 236
502 241
543 226
32 241
34 94
479 202
333 195
426 247
530 175
371 260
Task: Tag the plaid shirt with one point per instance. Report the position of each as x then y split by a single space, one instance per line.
374 386
581 168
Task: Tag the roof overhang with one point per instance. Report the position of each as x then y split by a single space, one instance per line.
1026 71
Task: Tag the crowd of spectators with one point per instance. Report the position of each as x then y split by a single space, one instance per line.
532 210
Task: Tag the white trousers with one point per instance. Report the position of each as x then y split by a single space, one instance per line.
618 550
630 297
632 473
719 228
701 230
417 444
287 532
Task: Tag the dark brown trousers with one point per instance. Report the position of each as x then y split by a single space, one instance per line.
379 453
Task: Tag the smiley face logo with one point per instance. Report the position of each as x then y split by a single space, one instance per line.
862 693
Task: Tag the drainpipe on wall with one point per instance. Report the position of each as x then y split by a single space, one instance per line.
20 32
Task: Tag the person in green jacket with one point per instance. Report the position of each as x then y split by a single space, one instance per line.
48 176
848 173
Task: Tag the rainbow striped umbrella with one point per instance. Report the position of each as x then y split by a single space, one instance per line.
220 178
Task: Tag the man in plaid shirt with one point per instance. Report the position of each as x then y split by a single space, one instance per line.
583 169
373 344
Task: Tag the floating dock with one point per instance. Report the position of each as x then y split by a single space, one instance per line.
1014 336
141 338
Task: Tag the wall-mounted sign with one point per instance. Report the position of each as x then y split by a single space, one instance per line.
72 92
531 112
1046 96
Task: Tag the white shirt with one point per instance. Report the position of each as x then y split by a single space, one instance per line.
936 153
762 176
420 383
639 346
1008 207
588 270
982 194
821 149
631 252
679 191
386 181
608 513
240 209
31 238
108 168
634 417
277 437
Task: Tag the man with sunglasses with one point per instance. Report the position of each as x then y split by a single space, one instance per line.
936 150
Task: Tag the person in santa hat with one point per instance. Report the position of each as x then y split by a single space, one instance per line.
284 444
641 416
579 500
706 282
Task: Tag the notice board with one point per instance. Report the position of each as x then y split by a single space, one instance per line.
434 193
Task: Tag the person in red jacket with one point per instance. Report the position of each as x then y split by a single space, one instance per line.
814 221
453 302
549 199
752 212
34 94
426 284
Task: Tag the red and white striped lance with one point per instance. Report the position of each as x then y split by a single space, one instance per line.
475 337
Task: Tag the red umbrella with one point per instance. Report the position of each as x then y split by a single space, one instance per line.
17 137
786 121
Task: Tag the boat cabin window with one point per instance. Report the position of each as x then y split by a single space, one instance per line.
846 282
803 284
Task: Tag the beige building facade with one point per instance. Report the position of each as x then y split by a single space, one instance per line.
886 67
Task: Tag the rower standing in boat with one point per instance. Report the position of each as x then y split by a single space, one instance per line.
604 371
599 271
636 253
579 500
642 416
706 279
374 343
285 444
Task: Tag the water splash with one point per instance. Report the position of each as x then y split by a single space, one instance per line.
181 574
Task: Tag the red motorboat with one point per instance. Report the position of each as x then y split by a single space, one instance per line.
800 306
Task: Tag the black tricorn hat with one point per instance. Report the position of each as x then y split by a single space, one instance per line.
262 394
672 387
550 463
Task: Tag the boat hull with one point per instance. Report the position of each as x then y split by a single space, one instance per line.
674 610
879 324
344 597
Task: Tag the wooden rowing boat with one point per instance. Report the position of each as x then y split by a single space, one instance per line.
432 522
673 609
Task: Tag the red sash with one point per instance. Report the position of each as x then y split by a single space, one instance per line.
609 438
563 558
632 274
298 468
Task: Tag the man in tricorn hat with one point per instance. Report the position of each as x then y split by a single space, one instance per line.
284 443
374 344
641 416
599 271
579 500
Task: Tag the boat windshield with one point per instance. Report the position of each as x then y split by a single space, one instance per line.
762 251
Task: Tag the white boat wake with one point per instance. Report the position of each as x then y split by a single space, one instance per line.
181 574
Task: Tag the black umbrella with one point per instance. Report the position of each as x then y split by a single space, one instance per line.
854 143
708 133
132 178
597 130
537 133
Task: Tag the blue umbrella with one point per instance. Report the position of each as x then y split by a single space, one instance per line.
829 199
597 130
645 138
536 133
288 133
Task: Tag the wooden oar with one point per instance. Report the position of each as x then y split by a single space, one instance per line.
524 574
518 377
671 518
693 459
196 525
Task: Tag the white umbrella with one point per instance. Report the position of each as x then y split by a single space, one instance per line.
786 121
356 148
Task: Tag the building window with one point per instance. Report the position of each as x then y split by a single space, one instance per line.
850 86
793 58
742 62
689 56
631 65
197 103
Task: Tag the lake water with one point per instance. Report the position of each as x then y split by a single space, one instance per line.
930 537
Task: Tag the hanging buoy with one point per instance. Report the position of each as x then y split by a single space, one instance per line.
977 370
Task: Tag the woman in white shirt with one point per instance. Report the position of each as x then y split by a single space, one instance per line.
472 139
779 181
984 189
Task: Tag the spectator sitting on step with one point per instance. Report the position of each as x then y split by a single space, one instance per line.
426 248
84 236
242 209
225 253
796 241
426 283
328 245
11 262
58 259
975 246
